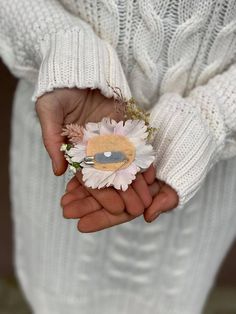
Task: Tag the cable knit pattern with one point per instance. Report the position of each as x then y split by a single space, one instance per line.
177 58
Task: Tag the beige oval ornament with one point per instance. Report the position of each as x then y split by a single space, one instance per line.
109 143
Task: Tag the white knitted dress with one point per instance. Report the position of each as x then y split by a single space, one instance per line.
177 58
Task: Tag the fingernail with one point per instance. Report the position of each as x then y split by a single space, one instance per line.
154 216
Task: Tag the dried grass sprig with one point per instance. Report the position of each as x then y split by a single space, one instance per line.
130 110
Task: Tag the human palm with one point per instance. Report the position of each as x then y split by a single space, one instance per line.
64 106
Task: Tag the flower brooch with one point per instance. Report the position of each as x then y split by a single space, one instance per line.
110 153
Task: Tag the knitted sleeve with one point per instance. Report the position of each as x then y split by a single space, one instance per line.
195 132
44 43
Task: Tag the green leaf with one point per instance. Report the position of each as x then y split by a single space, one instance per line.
76 165
69 146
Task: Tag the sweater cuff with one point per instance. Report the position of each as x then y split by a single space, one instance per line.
185 146
78 58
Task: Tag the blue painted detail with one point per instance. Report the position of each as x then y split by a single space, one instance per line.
110 157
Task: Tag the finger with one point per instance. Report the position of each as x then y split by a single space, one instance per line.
108 197
150 175
51 120
80 208
154 188
102 219
165 200
72 184
141 188
77 194
133 203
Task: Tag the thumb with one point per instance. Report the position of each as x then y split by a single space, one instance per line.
51 120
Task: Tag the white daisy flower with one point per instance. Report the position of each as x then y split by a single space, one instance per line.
112 153
63 147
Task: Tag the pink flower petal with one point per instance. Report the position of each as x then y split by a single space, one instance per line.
119 129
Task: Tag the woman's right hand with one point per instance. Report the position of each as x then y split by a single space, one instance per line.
98 209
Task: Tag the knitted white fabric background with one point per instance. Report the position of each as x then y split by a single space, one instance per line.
177 59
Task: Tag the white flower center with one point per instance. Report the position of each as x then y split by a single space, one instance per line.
107 154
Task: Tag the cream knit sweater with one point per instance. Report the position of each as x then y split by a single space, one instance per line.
177 58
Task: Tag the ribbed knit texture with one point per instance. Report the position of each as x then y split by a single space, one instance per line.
177 58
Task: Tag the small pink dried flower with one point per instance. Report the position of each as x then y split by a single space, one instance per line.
74 132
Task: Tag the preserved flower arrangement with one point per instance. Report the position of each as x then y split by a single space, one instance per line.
111 153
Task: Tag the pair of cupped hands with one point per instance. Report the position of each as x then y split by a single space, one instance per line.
97 209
